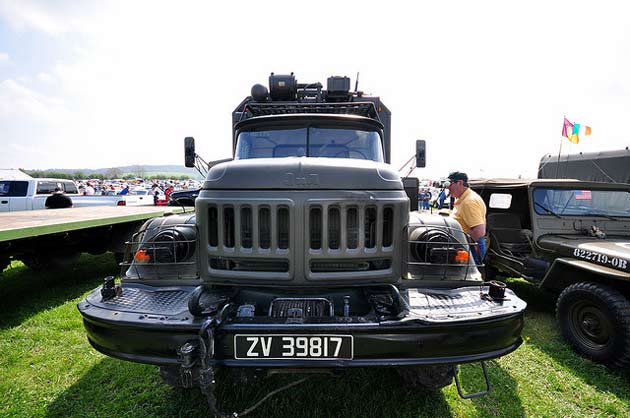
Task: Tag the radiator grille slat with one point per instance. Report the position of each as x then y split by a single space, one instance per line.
264 219
334 228
352 228
246 227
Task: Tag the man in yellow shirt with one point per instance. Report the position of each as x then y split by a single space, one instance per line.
470 211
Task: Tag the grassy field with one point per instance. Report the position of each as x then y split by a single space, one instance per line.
48 369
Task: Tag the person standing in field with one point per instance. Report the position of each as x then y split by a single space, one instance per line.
58 200
470 211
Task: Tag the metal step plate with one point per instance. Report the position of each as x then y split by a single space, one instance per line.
145 300
460 304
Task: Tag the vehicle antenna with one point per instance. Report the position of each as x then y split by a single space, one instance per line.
356 83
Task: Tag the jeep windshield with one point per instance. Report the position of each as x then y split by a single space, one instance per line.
568 202
309 142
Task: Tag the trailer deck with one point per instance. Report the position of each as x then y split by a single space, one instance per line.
33 223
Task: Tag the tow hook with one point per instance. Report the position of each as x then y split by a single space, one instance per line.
476 394
109 290
187 354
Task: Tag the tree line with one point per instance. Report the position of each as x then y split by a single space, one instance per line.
110 174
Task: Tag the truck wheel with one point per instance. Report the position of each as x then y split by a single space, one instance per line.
4 263
595 320
45 262
429 378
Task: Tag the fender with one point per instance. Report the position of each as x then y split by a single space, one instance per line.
555 278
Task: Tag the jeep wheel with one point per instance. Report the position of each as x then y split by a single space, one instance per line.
595 319
429 378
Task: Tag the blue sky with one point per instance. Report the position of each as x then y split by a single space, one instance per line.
486 84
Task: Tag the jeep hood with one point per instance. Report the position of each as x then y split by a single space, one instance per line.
591 249
303 173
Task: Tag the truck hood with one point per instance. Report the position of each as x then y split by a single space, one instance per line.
610 252
303 173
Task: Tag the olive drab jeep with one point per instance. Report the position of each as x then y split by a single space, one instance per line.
573 238
303 256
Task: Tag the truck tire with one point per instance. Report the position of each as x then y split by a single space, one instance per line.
4 263
50 261
595 320
428 378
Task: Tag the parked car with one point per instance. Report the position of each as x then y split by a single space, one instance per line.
183 197
573 238
30 194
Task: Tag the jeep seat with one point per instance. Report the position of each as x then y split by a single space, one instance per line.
506 233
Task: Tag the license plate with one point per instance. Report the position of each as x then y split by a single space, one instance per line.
283 346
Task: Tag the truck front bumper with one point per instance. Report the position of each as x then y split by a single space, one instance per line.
150 325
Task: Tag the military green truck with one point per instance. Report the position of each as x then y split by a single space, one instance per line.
302 256
572 238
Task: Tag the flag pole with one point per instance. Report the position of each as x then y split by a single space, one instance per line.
559 152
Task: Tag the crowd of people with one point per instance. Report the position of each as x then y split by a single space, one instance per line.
159 189
434 197
135 186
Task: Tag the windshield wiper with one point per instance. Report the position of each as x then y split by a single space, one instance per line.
566 204
546 209
603 215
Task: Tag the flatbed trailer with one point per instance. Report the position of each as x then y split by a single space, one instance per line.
45 238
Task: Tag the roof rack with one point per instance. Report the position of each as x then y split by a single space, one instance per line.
365 109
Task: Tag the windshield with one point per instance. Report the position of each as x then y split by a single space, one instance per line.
310 142
563 202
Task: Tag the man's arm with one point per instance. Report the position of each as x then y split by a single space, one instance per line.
476 232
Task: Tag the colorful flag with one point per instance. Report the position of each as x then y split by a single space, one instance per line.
566 128
587 130
583 195
576 129
574 138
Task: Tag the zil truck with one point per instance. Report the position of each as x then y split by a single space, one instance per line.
302 256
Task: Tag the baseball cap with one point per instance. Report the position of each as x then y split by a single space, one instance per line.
457 176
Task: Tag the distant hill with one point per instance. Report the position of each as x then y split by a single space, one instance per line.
136 170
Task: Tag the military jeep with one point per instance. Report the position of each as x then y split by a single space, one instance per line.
573 238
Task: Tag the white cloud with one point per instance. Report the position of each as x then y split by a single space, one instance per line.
45 77
4 58
18 102
52 18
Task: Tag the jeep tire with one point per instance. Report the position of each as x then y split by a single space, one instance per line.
428 378
595 320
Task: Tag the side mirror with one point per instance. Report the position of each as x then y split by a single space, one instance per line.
421 153
189 151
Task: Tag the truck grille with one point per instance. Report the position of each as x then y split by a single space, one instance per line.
236 232
350 238
319 236
363 227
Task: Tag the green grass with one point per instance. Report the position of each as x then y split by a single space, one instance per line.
47 369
